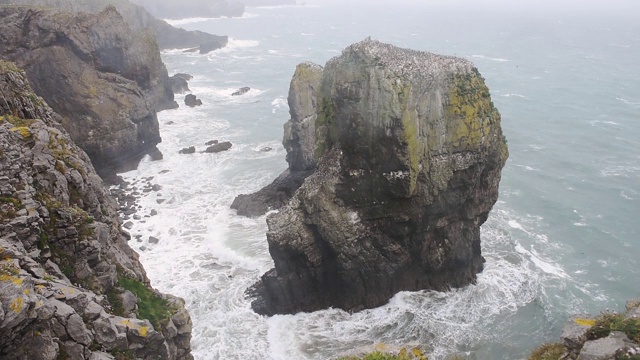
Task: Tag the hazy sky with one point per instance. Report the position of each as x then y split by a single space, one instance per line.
524 5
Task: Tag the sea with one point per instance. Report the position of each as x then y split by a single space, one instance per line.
562 239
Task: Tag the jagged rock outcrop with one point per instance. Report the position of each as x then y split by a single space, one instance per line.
105 80
138 19
409 152
299 141
70 286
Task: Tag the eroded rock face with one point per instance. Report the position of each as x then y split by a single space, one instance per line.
105 80
409 152
63 253
299 141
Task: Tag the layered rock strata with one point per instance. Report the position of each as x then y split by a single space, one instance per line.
408 153
70 286
299 141
138 19
105 80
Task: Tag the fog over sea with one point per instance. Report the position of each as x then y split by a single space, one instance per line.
562 239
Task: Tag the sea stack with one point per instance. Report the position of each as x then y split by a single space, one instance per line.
407 158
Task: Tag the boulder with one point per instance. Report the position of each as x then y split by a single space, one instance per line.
241 91
219 147
408 155
192 101
179 85
211 142
605 348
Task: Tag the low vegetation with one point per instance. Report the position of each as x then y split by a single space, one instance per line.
548 352
609 322
403 354
151 306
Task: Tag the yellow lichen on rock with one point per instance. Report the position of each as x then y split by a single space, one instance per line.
16 305
23 130
585 322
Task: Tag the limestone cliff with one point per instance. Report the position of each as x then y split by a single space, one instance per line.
138 19
105 80
70 286
409 152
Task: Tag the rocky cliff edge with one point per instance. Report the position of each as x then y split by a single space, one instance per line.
105 80
408 153
70 286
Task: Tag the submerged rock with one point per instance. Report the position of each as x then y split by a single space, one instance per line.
408 153
189 150
241 91
219 147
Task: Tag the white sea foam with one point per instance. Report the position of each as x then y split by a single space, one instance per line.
179 22
278 104
514 95
629 102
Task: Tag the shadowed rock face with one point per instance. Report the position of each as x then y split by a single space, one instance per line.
299 141
409 152
105 80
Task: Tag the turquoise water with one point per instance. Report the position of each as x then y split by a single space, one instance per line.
562 239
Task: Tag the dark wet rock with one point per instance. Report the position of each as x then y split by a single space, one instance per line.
192 100
189 150
153 212
266 149
219 147
156 187
155 154
271 197
165 171
243 90
408 151
153 240
179 84
128 225
211 142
